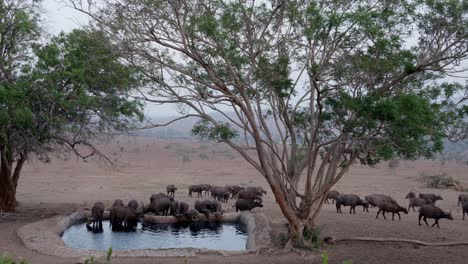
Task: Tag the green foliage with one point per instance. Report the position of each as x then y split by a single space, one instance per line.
206 130
61 93
313 235
109 255
324 256
92 260
409 126
4 259
76 89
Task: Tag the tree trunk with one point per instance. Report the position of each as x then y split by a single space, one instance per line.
7 191
16 173
298 219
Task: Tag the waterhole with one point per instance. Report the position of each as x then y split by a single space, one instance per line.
209 235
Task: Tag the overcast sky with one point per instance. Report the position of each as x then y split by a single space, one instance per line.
59 17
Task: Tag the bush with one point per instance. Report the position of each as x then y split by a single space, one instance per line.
313 235
393 164
91 260
438 181
203 156
324 256
185 158
4 259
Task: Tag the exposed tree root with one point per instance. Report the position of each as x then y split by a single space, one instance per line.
289 247
332 240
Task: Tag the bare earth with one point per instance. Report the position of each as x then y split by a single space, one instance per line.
149 164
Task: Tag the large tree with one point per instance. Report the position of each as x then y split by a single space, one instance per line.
317 85
61 95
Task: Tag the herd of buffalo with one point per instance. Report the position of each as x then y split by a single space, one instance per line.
425 202
125 218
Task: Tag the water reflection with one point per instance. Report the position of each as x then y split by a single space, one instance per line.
211 235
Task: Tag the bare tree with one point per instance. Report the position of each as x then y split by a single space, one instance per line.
317 85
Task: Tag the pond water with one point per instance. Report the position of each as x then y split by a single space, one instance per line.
209 235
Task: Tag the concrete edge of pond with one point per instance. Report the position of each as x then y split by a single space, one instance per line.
44 237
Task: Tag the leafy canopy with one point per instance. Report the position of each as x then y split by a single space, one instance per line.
71 90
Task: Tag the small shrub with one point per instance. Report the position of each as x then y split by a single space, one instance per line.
283 239
4 259
167 146
313 235
393 164
325 259
204 146
203 156
438 181
185 158
92 260
121 149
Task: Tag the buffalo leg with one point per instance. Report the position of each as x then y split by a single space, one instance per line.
383 214
377 217
419 218
425 221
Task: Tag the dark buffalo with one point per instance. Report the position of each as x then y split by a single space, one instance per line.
183 208
249 195
462 198
434 212
158 196
171 190
206 188
379 199
97 214
417 202
257 189
246 204
204 207
174 208
234 189
197 189
193 215
431 197
391 208
351 200
332 195
160 206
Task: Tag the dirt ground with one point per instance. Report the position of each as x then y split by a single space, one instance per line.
147 165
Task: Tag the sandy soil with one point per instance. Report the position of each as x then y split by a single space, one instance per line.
147 165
